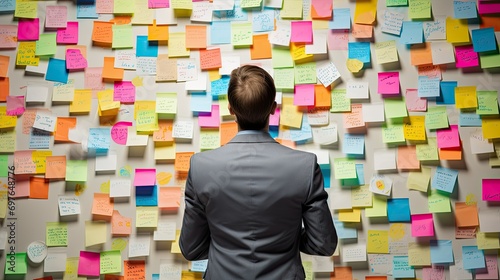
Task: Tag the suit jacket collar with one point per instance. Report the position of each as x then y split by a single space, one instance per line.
261 137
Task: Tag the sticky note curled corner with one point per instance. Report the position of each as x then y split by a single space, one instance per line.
354 65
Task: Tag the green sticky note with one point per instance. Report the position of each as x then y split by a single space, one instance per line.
241 34
56 234
308 269
392 3
250 3
419 9
305 73
438 202
428 151
395 108
76 170
147 120
340 102
166 103
16 265
209 139
344 168
4 165
123 6
46 45
111 262
393 133
282 58
436 117
284 78
223 106
489 60
379 207
123 37
487 102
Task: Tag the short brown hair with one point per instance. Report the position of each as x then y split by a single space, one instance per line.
251 94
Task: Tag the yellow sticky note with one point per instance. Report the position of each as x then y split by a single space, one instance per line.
457 30
143 105
166 103
366 12
428 151
26 54
106 102
7 140
182 4
164 151
71 271
354 65
386 52
7 121
96 232
350 215
39 159
487 240
123 6
82 101
419 254
438 202
241 34
177 45
144 15
291 9
419 180
175 248
147 121
298 53
146 217
465 97
361 196
379 208
344 168
26 9
209 139
491 128
377 242
415 129
3 203
56 234
290 114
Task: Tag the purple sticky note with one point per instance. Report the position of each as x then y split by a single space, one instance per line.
28 29
388 82
491 189
304 95
68 35
302 32
210 120
145 177
466 56
89 264
448 137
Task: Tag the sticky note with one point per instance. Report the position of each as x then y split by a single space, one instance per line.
377 242
448 137
419 9
89 264
401 268
428 87
419 254
301 32
241 34
491 269
464 9
341 19
381 184
177 45
353 144
436 118
28 29
398 210
196 36
412 33
457 30
441 251
483 40
365 12
388 83
304 95
360 51
472 257
56 234
69 34
220 32
466 215
438 202
393 22
56 71
354 119
146 196
444 179
487 103
75 59
19 265
422 225
414 103
447 92
395 108
421 55
386 52
76 170
491 189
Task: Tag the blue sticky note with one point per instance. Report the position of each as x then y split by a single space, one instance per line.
472 257
444 179
353 144
7 6
199 266
360 51
483 40
464 9
401 268
155 276
470 119
441 251
56 71
39 139
146 196
327 175
99 138
344 232
86 9
145 47
263 21
412 32
219 86
398 210
341 19
359 180
220 32
428 87
302 135
201 102
236 14
274 131
447 96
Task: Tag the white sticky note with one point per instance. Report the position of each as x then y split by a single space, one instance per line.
281 36
384 159
357 90
489 219
106 162
55 262
45 121
479 145
165 16
373 112
354 252
133 139
319 42
183 130
229 63
165 231
327 73
325 135
199 84
37 93
442 53
120 187
138 246
68 205
340 198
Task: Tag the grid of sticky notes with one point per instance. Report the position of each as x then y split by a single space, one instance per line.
189 45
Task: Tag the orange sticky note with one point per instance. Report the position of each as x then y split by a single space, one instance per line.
196 36
39 188
102 205
182 161
362 31
62 128
322 96
55 167
164 132
490 21
102 33
4 65
120 225
341 273
321 9
354 119
112 277
4 89
134 270
466 214
157 32
109 72
169 198
210 59
421 54
287 143
450 154
227 132
120 20
407 158
261 48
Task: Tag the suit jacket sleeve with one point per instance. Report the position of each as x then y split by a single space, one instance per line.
194 240
319 236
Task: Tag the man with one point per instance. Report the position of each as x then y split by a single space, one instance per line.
253 204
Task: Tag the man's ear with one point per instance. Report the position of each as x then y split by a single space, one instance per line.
230 109
273 107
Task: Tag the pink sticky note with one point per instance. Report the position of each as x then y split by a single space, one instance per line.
422 225
15 105
323 8
413 102
436 272
22 186
488 7
8 36
104 6
56 16
274 120
145 177
89 264
68 35
448 137
154 4
93 78
338 40
491 270
75 59
28 29
210 120
124 92
491 189
388 82
119 132
304 95
302 32
466 56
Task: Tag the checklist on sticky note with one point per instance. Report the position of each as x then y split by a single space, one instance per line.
444 179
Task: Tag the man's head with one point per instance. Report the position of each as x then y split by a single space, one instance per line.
251 96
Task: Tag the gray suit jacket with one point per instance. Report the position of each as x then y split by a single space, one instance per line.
251 206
